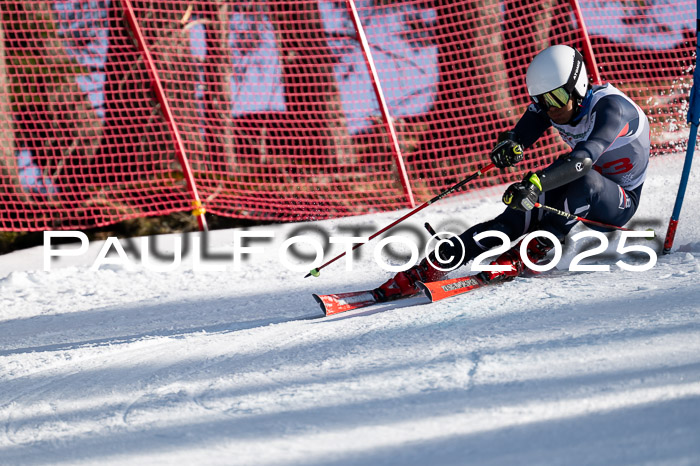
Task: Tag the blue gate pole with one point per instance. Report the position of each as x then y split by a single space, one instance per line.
694 120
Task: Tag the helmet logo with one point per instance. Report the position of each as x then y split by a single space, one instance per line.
577 70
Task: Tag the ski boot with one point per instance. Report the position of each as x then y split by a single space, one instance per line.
537 249
403 284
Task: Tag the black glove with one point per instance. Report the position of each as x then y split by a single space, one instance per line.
523 194
507 151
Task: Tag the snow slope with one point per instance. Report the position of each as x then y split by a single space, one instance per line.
136 366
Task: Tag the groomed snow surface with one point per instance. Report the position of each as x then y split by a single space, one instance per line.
193 366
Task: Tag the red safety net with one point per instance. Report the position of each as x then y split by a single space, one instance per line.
275 107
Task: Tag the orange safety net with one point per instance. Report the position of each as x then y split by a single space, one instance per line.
275 105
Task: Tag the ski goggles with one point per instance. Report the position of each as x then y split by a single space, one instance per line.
557 98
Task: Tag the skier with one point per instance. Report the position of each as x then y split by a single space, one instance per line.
600 179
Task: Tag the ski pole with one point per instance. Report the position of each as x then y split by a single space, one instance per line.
316 272
580 219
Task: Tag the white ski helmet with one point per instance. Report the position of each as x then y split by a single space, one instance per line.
554 67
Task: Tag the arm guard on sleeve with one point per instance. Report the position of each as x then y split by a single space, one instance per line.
567 169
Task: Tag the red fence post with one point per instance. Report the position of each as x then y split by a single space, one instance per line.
198 210
588 56
386 116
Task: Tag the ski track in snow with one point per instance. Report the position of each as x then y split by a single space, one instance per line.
120 366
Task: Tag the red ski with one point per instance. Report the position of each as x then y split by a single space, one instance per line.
341 302
435 291
442 289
